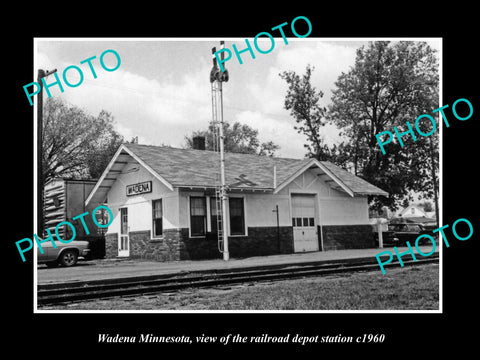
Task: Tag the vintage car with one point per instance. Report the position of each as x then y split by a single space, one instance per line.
63 254
398 234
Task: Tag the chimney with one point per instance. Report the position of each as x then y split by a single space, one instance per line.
198 142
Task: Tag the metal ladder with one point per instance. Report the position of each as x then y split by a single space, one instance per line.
218 205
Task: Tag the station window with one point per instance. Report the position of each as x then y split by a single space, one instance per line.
157 216
303 222
237 216
214 225
198 216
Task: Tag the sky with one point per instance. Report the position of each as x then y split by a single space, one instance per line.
161 90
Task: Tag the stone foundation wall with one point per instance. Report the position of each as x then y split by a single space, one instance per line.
177 245
144 247
199 248
338 237
262 241
111 245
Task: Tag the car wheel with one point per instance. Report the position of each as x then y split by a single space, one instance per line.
68 258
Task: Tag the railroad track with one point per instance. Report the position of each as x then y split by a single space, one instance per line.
96 289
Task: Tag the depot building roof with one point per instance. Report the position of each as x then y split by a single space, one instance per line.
188 168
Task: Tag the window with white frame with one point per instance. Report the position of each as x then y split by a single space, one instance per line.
157 216
237 216
215 225
198 216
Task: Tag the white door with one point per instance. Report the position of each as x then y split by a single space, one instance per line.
305 236
123 241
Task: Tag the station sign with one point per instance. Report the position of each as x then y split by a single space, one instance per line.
140 188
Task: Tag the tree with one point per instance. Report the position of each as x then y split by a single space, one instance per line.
302 100
100 152
426 205
238 138
76 144
390 83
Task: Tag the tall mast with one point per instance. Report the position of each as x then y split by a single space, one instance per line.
216 79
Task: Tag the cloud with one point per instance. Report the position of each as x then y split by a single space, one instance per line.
280 132
158 112
328 59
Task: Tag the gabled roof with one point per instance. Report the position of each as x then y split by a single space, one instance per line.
180 168
355 183
406 210
199 168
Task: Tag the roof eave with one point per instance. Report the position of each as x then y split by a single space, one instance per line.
104 174
112 163
323 168
372 193
213 187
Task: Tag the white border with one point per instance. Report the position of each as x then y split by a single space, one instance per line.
440 173
216 39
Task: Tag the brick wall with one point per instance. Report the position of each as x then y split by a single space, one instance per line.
337 237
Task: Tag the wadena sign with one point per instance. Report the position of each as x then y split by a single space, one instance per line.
139 188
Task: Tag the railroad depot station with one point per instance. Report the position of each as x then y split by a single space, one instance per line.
164 207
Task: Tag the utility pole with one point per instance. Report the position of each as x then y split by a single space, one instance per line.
40 76
278 228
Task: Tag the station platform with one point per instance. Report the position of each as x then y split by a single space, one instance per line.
117 268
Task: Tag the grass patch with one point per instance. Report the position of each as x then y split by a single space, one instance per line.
410 288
